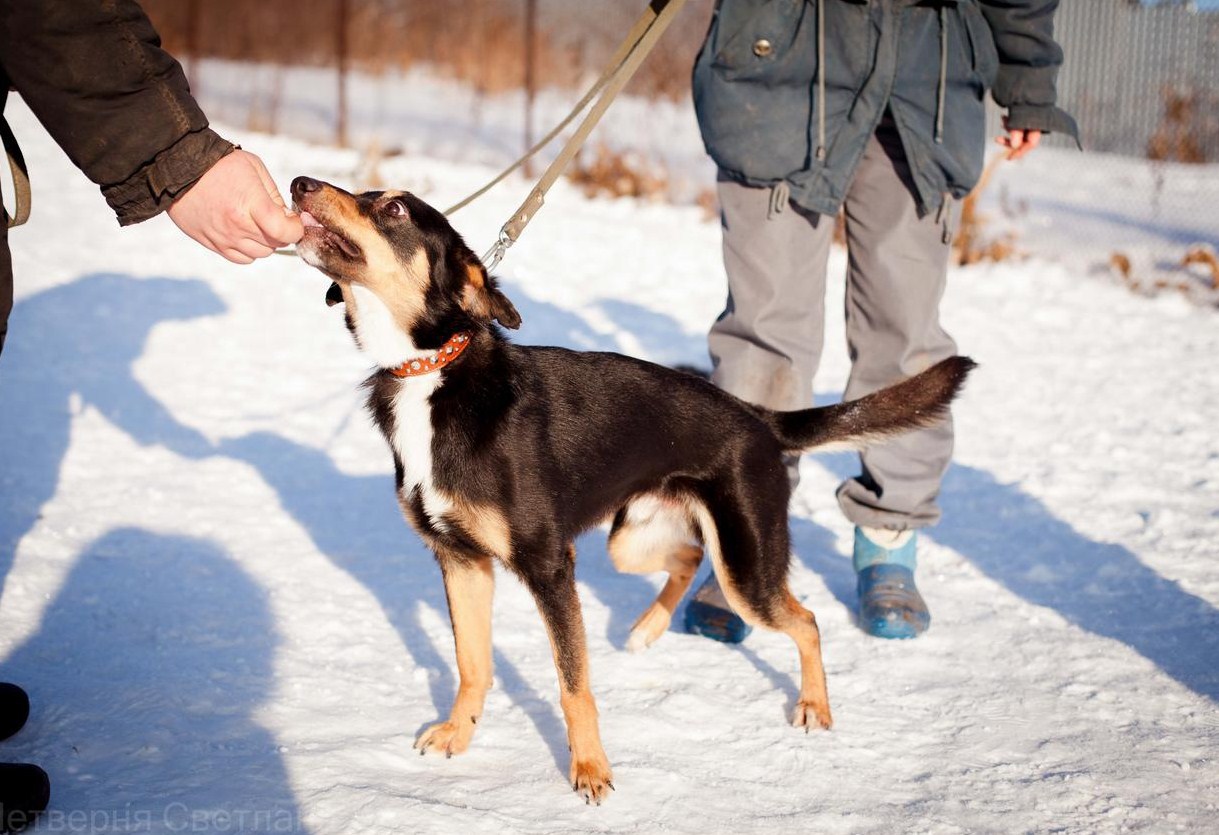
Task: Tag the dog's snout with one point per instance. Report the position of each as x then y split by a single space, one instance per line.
305 185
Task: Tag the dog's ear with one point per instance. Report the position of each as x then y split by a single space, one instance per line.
334 295
483 300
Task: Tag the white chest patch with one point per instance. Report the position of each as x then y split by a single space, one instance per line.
412 441
379 335
389 346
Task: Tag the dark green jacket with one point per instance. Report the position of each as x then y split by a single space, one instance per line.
94 73
776 103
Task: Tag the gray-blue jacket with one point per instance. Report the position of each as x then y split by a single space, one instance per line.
781 98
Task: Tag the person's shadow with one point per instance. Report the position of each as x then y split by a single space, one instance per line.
75 345
148 670
1101 587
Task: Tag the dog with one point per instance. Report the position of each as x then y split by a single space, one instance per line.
507 452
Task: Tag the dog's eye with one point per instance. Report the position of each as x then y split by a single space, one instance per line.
395 208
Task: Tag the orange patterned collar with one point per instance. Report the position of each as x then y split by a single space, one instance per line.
444 355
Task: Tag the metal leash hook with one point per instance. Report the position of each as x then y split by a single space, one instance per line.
639 42
496 253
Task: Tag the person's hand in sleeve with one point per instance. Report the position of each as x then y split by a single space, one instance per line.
1019 142
236 210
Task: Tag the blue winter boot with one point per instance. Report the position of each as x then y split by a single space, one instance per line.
708 614
889 603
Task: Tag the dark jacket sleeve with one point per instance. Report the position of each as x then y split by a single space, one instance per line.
94 73
1029 59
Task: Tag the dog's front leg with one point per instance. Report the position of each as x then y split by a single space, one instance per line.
553 584
469 583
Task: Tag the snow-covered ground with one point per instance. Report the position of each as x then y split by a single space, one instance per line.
225 625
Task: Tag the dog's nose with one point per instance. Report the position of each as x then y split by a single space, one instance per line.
304 185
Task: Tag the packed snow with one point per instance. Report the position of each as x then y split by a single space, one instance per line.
225 625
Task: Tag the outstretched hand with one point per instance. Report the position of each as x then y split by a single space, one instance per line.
1019 142
236 210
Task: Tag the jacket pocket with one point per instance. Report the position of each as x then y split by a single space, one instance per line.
984 57
754 39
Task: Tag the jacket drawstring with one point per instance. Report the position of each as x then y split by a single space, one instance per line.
943 82
820 80
944 218
780 193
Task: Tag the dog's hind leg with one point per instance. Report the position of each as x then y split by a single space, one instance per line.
469 583
653 534
552 581
814 702
749 552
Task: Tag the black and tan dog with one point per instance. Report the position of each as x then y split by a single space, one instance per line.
508 452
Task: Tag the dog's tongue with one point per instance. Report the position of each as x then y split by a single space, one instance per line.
309 220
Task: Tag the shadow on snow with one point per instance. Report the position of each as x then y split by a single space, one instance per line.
82 340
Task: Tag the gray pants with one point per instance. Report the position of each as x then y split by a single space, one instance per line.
767 343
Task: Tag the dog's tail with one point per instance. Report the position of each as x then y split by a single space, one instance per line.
917 403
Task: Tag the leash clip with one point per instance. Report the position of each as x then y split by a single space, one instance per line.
496 253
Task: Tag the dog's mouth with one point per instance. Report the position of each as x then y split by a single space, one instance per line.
325 237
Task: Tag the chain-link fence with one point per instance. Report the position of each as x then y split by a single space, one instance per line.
1142 80
1140 203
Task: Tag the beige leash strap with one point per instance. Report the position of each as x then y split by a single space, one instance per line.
642 38
615 64
21 177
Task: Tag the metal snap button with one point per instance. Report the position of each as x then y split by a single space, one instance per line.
762 47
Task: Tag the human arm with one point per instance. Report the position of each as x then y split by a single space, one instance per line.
94 73
1019 142
235 210
1029 59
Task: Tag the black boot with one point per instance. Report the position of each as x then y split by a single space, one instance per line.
24 789
24 792
14 709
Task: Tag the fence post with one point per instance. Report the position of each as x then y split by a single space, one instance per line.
531 14
340 35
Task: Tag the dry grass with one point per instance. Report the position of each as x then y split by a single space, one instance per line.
614 174
481 42
709 202
1205 257
1189 126
970 244
1148 279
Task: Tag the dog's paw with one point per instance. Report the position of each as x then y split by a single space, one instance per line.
592 779
446 738
809 713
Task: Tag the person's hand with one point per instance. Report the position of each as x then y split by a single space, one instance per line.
236 210
1019 142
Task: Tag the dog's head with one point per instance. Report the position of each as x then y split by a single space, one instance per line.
404 252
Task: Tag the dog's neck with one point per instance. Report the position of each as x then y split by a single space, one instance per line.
377 332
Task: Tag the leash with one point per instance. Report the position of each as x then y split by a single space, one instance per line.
21 177
630 54
622 66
